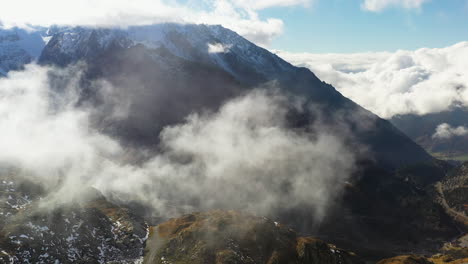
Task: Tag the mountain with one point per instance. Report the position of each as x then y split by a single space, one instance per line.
162 73
161 61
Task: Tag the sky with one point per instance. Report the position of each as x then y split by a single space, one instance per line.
314 26
345 26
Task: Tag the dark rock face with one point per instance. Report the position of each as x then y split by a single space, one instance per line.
235 237
95 231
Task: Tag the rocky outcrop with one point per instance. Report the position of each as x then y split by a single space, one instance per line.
235 237
90 231
413 259
455 252
455 189
409 259
452 194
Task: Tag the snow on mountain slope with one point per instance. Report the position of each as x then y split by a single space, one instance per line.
234 54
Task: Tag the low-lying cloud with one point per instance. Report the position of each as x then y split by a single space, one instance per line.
242 156
404 82
446 131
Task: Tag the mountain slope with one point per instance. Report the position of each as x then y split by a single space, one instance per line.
234 237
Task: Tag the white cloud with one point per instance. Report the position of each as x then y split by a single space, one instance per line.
218 48
379 5
238 15
445 131
404 82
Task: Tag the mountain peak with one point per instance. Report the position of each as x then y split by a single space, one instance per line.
209 44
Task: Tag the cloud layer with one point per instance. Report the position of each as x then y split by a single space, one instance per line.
404 82
238 15
379 5
244 156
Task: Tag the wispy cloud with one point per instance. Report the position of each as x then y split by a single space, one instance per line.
263 4
379 5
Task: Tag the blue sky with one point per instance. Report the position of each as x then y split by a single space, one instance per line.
343 26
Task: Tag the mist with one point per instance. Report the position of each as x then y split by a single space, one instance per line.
244 155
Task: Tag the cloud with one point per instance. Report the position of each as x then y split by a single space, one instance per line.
445 131
404 82
244 156
42 133
263 4
218 48
238 15
379 5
